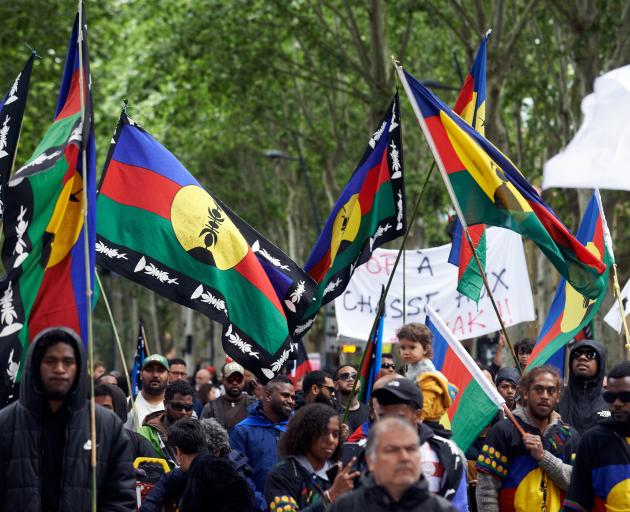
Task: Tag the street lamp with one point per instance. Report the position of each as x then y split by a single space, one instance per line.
276 154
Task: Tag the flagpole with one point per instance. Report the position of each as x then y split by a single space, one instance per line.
616 288
86 249
458 210
381 302
116 336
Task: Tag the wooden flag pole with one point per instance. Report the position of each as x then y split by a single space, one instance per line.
381 302
616 289
622 312
86 247
117 337
458 210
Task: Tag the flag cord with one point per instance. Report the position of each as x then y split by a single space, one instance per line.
622 311
451 193
381 302
117 337
86 247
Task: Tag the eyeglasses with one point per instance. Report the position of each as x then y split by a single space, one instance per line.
179 406
589 354
388 366
610 397
348 375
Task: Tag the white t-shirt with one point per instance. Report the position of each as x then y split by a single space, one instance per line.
431 467
142 409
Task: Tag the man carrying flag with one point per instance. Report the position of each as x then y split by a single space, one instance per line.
48 253
471 106
486 187
369 212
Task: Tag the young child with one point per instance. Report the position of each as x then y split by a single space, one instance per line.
416 349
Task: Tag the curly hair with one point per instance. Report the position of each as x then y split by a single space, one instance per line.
309 423
419 333
178 387
529 377
216 437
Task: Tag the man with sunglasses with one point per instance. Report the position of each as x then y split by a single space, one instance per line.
178 404
387 365
318 388
344 380
601 476
581 404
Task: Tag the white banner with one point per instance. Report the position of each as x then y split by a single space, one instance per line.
613 318
598 155
431 279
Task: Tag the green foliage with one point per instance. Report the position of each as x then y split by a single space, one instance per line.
219 82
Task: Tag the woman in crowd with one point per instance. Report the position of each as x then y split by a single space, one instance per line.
308 479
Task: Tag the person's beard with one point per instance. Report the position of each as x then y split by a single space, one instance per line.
321 399
280 411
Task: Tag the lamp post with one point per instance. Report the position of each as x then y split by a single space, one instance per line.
276 154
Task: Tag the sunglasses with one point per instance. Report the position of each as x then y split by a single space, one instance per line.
330 389
348 375
178 406
610 397
589 354
388 366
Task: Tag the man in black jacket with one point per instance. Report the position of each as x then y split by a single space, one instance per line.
582 404
45 445
395 481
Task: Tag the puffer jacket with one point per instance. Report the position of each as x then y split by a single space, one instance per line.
257 438
20 446
582 404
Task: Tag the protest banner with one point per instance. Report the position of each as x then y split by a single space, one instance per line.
430 279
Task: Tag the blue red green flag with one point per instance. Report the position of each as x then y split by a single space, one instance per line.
368 373
488 189
44 252
302 364
471 106
570 312
475 400
160 228
12 109
369 212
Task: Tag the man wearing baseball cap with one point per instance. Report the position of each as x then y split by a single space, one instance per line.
231 407
441 463
154 378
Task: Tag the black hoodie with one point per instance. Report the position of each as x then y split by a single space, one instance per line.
21 438
581 404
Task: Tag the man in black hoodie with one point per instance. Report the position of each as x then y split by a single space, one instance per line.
582 404
45 445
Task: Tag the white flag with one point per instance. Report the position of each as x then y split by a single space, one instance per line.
599 154
613 318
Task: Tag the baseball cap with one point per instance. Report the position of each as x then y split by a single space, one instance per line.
156 358
399 391
231 368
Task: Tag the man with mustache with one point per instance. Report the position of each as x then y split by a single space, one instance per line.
257 435
601 476
395 481
531 472
318 387
154 377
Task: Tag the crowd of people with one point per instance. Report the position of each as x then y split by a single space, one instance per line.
222 441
